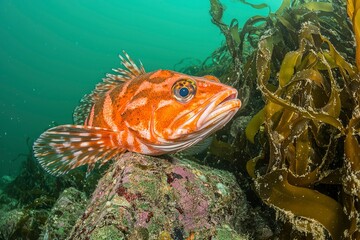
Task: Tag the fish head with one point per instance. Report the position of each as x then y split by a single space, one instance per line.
181 110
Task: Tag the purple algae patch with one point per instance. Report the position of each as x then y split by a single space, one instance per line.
143 218
183 172
192 204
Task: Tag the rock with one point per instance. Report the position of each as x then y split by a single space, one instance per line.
8 222
21 223
5 180
63 215
18 222
143 197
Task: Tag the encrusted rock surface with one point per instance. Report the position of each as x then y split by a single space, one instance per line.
8 222
142 197
63 215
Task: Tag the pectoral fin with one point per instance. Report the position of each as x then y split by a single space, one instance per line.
66 147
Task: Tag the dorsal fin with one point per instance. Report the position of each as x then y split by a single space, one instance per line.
130 71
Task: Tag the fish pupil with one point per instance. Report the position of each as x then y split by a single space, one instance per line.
184 92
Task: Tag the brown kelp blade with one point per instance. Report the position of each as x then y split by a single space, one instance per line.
302 203
353 10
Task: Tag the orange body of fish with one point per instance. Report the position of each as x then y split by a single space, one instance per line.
150 113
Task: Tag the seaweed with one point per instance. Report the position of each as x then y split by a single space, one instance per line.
309 127
353 11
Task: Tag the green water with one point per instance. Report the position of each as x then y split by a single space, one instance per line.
53 52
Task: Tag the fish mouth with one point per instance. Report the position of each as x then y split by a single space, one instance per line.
220 110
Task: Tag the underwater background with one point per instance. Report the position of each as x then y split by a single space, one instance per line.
287 166
54 52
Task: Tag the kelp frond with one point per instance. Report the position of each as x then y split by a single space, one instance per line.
353 11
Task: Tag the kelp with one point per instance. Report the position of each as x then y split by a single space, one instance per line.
307 75
282 195
242 41
353 11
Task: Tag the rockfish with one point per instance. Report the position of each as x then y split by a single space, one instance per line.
151 113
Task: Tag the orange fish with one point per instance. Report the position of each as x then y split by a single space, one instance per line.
151 113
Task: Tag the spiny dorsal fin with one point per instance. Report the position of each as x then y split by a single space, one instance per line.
66 147
130 71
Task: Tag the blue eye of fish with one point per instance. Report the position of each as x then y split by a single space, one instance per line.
184 90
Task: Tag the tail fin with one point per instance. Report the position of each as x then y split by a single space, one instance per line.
66 147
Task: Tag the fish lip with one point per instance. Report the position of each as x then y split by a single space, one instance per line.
224 102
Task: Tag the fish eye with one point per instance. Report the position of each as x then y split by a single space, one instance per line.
184 90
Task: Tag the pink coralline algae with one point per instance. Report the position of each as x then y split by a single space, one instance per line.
143 218
192 203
